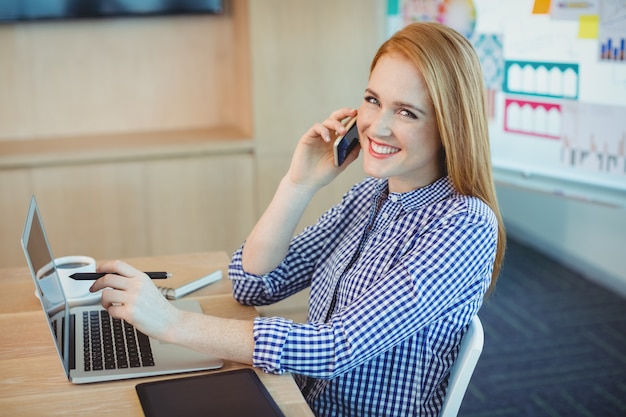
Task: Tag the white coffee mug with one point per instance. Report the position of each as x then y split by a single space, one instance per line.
68 265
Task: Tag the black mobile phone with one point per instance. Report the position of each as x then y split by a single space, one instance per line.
345 144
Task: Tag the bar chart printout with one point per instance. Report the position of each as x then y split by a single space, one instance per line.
612 31
613 50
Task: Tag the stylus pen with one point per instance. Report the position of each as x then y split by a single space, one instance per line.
90 276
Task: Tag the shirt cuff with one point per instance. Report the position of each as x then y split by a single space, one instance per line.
270 335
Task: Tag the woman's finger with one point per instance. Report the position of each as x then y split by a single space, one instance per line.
338 119
111 281
319 130
111 297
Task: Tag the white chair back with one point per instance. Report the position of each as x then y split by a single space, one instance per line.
462 370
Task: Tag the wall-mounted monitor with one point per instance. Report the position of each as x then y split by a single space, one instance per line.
34 10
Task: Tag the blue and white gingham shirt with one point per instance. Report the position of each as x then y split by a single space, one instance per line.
395 280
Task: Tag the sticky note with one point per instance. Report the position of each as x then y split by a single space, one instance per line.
541 7
588 26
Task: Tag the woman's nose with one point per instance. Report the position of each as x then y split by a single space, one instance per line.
381 125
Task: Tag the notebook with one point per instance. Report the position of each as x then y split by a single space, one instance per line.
238 393
92 345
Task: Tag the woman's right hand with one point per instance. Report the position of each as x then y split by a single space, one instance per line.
312 165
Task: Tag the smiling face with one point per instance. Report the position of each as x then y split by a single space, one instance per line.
398 127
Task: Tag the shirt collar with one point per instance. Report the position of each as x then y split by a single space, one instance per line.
412 200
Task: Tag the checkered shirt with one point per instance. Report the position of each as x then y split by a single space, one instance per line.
395 279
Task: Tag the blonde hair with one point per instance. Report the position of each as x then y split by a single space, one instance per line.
453 77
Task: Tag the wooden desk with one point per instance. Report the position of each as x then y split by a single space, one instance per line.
32 380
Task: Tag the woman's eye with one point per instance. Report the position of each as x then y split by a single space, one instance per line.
371 100
408 114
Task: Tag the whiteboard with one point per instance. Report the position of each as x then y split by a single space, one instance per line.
531 119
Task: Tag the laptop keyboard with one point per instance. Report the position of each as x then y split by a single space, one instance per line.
111 343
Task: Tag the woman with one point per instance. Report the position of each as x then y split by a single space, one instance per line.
396 270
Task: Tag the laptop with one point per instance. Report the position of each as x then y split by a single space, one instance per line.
92 346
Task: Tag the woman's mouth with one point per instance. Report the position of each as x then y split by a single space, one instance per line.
380 149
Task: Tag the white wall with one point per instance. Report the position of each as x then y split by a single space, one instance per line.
588 237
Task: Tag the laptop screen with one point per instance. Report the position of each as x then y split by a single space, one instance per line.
48 286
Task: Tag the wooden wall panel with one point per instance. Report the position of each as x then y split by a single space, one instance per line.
71 78
136 208
96 210
199 204
14 197
308 59
134 134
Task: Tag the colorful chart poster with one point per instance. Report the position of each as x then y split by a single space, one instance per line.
612 31
547 79
538 142
594 137
533 118
489 50
491 55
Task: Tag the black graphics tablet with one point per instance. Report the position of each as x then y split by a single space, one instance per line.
237 393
